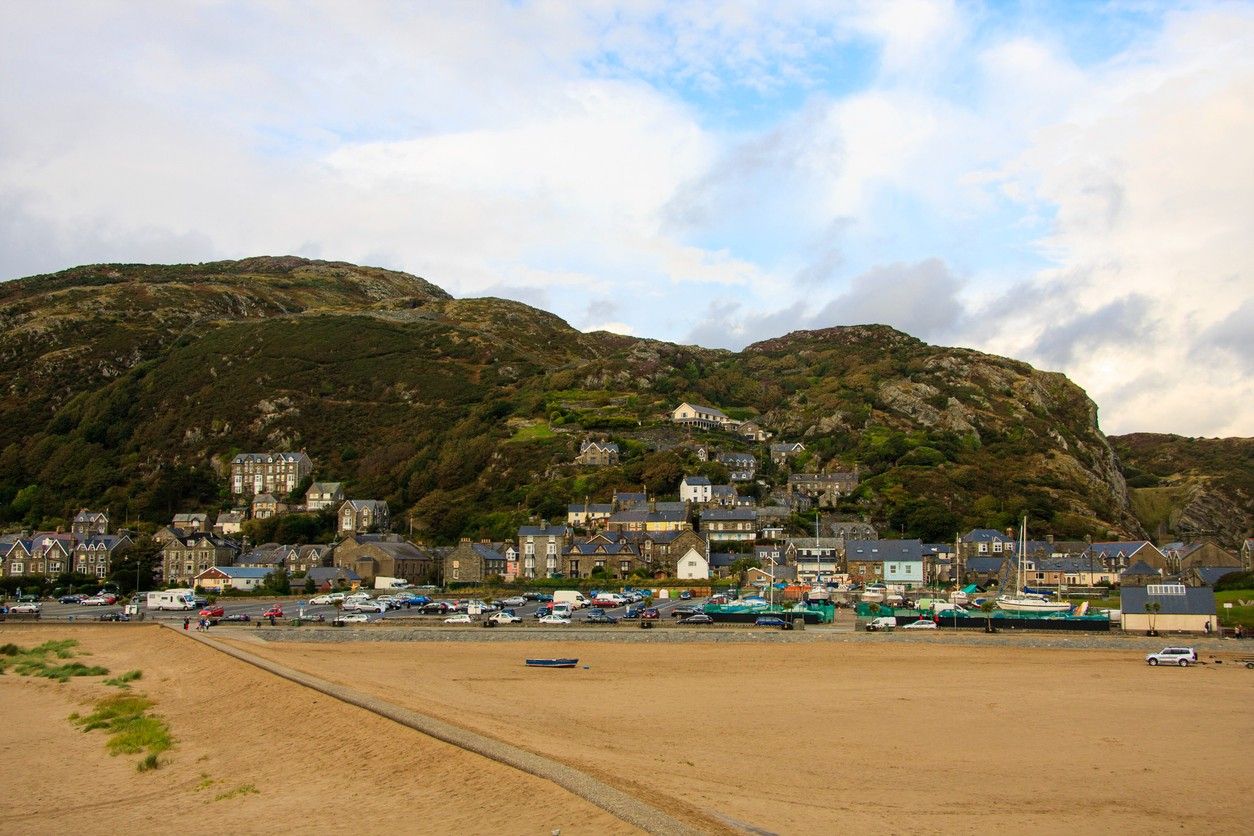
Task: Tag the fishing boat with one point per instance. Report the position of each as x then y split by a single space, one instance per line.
552 663
1022 600
874 593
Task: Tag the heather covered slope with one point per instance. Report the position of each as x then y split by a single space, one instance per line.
130 386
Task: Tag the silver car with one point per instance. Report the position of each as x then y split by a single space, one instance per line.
1181 656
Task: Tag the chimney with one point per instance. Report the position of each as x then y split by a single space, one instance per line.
465 540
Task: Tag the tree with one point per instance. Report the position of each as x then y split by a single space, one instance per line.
278 582
310 586
740 568
1153 608
987 608
139 563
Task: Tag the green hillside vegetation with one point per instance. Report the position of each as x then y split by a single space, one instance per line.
131 387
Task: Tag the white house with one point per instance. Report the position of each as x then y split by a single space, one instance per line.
704 417
218 578
695 489
692 565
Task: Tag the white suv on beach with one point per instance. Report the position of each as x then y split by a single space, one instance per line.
1182 656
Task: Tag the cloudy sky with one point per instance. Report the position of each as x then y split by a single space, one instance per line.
1071 184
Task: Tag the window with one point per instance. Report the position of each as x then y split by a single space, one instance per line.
100 571
18 568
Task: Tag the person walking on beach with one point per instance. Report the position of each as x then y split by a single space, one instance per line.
186 623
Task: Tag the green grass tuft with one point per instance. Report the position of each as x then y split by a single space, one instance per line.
34 662
121 680
242 789
131 728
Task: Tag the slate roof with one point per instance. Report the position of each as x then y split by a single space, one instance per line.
1116 548
543 531
884 550
321 574
1210 575
1196 600
240 572
722 559
1139 568
729 515
985 535
693 481
579 508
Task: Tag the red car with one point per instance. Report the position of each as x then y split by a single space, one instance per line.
274 612
213 611
650 614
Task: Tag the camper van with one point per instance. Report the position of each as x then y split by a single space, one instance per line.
171 599
570 596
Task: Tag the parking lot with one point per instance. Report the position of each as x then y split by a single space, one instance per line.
254 608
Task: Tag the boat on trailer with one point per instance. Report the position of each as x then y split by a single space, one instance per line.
552 663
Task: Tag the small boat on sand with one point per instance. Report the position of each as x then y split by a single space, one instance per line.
552 663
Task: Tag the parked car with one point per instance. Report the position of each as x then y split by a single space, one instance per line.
515 601
699 618
921 624
24 607
239 616
352 618
327 599
554 619
114 616
632 612
366 606
769 621
214 611
884 622
460 618
685 609
434 608
1182 656
96 601
70 599
274 612
504 617
599 618
543 610
686 595
650 614
604 603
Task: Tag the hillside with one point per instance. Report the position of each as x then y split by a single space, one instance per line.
130 386
1185 488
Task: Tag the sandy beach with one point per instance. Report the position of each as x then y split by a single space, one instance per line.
778 738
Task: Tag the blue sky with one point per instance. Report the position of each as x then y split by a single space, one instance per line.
1066 183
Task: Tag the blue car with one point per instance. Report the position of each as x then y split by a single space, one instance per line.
770 621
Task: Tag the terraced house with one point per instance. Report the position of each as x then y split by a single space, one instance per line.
184 557
93 555
384 555
540 549
471 562
278 473
597 453
729 524
613 556
43 553
363 516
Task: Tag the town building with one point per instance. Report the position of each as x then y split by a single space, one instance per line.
277 473
384 555
588 515
898 562
695 489
823 489
701 417
471 562
1168 608
540 549
363 516
784 450
95 553
217 579
729 524
597 453
87 523
229 523
741 467
323 495
611 555
184 557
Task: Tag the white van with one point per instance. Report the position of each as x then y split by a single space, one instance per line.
570 596
172 599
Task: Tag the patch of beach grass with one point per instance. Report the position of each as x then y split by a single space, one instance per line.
36 662
242 789
131 728
121 680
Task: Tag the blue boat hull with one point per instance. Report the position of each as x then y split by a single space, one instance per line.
552 663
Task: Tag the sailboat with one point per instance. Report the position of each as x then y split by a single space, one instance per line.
1021 601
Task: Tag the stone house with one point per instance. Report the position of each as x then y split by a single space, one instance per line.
628 500
182 558
642 520
741 467
300 559
540 549
384 555
615 557
597 453
363 516
783 451
265 505
329 578
278 473
191 523
725 496
815 557
1187 556
729 524
471 562
751 431
88 523
984 542
825 489
853 530
323 495
1120 555
94 554
1140 574
889 561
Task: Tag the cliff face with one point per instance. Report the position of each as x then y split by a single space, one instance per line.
1191 488
129 386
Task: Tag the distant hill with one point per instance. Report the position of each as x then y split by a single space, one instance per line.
130 386
1186 488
